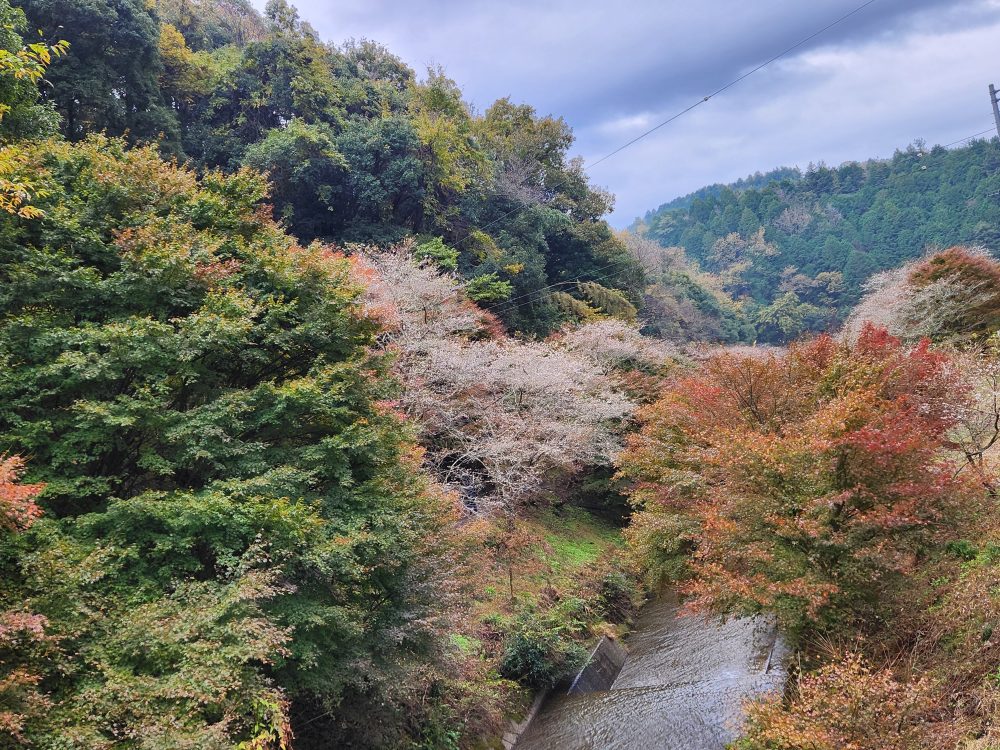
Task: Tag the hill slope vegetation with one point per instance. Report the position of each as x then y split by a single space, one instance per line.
797 250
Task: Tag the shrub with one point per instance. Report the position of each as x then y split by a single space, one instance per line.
438 253
846 704
538 654
488 288
617 597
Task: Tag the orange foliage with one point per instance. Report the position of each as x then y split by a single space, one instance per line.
807 477
978 275
17 507
957 262
18 693
846 705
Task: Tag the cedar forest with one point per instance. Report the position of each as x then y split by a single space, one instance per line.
333 413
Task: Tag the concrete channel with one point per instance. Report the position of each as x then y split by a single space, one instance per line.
679 685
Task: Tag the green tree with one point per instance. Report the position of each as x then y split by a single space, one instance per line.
787 318
21 68
438 253
385 189
444 126
199 394
111 81
487 288
305 168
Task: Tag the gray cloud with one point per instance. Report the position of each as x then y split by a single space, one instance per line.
898 70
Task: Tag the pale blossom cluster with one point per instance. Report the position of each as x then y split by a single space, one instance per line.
614 343
654 258
885 295
913 313
518 178
417 301
794 219
500 418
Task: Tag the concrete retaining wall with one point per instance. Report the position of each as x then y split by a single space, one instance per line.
601 669
516 729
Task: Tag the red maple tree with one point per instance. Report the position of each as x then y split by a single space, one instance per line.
801 479
19 696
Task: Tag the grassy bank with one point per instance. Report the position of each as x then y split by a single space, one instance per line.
540 595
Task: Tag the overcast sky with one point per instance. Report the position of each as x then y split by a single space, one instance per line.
897 71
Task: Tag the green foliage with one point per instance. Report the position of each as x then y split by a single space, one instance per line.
609 301
302 163
233 521
540 653
357 149
787 318
855 220
438 253
21 67
444 124
617 597
572 309
963 549
237 544
111 80
208 25
756 180
488 288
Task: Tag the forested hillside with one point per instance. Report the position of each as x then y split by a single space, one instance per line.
796 251
258 490
358 147
327 417
756 180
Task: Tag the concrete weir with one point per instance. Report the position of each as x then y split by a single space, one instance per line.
681 684
601 669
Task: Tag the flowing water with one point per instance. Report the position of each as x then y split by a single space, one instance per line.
681 687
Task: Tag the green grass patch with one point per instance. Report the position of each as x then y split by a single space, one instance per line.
465 644
569 540
575 538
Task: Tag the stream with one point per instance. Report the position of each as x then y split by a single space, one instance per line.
681 687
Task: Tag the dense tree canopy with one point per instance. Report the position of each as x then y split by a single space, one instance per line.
195 390
267 483
111 81
836 225
801 481
358 149
222 533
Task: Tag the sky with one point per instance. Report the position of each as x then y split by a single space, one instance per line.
896 71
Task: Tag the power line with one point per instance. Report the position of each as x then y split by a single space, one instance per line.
736 81
693 106
547 287
968 138
543 289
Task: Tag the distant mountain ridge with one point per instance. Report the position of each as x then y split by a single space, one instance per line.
756 180
794 250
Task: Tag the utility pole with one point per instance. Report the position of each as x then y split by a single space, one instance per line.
996 106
